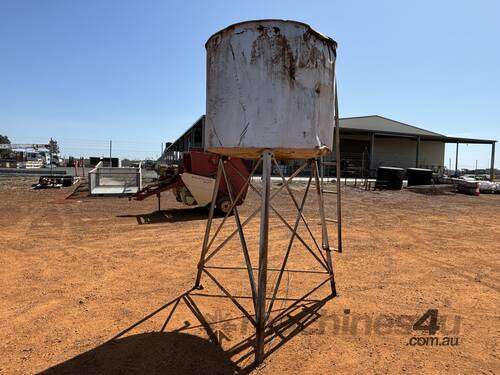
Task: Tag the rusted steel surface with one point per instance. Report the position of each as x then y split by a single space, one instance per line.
270 85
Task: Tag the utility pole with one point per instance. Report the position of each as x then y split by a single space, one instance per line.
110 146
492 161
51 151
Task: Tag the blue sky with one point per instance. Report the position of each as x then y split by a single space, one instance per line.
84 72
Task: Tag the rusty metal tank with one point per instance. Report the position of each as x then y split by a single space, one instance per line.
270 85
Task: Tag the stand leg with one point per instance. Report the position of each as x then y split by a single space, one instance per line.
324 230
204 249
338 171
243 241
262 277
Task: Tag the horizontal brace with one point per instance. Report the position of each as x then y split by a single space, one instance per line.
291 299
269 269
331 220
329 192
330 249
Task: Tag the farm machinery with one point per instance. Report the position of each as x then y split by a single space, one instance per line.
193 181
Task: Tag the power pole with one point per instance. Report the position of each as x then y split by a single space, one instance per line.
51 151
110 146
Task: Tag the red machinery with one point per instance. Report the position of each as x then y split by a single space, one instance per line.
193 181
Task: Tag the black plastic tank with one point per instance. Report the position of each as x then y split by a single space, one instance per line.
419 176
390 178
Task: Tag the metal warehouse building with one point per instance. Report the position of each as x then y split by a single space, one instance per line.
366 143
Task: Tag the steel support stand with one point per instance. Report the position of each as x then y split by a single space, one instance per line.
263 317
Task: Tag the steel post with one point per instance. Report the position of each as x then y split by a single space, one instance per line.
492 167
338 170
372 155
324 230
260 312
417 157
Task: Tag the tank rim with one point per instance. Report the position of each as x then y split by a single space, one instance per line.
317 33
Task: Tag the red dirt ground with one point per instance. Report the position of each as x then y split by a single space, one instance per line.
76 272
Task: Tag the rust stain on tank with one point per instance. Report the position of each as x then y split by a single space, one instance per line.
313 57
273 46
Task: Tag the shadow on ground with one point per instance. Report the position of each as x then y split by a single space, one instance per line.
172 215
178 352
150 353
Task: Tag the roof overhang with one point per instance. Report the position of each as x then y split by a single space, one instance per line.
470 140
440 138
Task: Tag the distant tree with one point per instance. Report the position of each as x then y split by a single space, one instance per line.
54 147
4 139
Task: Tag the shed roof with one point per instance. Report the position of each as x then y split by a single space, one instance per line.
379 124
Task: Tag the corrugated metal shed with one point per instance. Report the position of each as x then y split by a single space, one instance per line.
379 124
366 141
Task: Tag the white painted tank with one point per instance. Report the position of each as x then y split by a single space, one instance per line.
270 85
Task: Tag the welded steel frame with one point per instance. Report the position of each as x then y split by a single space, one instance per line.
261 318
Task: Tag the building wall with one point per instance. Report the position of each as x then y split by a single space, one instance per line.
401 152
394 152
431 154
355 151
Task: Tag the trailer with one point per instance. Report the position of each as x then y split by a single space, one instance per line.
193 181
54 181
